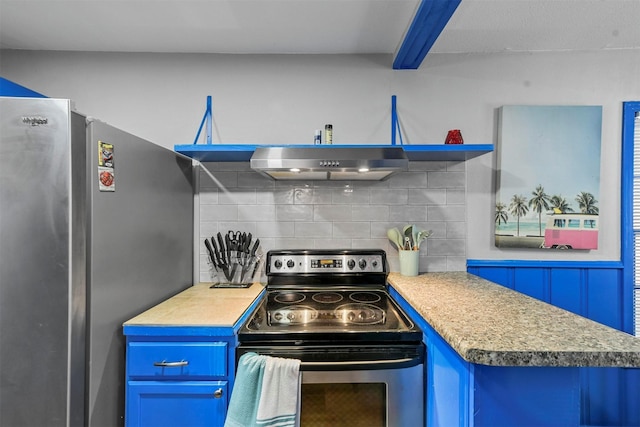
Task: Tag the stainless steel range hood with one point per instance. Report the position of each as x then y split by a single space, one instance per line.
328 162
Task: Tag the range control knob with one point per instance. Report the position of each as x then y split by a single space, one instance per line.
374 263
277 263
351 263
362 264
290 263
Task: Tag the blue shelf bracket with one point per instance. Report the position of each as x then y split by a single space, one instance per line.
207 119
395 124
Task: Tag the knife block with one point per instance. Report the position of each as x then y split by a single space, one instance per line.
238 273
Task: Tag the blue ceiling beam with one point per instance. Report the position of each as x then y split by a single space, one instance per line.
429 21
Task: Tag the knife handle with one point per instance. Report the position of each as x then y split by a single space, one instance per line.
208 246
227 241
215 251
221 244
255 247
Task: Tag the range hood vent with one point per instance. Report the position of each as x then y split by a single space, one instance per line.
333 163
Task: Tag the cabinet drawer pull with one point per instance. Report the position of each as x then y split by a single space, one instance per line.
166 364
218 393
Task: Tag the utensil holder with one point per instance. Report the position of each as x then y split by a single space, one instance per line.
239 273
409 262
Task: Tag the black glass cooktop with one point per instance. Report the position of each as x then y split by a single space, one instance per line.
327 296
335 314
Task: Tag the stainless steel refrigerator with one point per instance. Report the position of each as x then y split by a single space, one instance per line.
96 225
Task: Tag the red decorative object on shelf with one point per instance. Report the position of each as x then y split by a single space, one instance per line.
454 137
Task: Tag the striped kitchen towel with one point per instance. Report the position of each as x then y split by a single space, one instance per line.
278 404
265 393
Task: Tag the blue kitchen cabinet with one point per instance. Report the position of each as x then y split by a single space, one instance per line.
180 357
460 393
178 380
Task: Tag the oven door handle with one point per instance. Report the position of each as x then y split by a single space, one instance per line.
361 364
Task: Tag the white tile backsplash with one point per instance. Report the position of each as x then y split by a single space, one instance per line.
311 230
408 214
395 197
336 215
274 229
294 212
448 179
332 213
428 196
248 213
370 212
409 180
446 212
456 196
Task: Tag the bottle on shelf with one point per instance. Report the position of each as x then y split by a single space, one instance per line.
328 134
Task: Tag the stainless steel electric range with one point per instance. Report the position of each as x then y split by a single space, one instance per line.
360 352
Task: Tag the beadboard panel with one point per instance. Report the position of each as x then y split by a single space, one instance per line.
591 289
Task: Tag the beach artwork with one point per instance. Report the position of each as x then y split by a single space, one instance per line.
548 178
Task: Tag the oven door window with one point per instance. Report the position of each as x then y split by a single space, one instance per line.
367 398
352 405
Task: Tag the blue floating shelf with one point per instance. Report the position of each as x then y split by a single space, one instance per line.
211 152
444 152
243 152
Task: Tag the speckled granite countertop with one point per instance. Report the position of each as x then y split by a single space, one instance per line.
492 325
200 306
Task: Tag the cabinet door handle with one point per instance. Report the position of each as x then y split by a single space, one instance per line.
218 393
166 364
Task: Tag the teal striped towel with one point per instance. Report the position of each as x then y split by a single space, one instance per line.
265 393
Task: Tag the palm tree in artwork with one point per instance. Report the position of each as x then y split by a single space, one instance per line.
539 202
519 208
560 203
587 203
501 213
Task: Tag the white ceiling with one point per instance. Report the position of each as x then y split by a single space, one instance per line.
313 26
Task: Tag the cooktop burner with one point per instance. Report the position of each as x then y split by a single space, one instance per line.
365 297
327 296
289 297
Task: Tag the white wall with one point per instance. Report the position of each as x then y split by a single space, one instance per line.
283 99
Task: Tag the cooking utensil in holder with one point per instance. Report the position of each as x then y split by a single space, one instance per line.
238 273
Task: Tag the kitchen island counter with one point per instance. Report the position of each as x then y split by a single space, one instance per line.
488 324
498 357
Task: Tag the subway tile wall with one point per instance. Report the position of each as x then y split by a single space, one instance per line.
338 214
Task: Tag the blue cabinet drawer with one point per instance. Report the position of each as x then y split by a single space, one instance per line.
192 360
172 404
